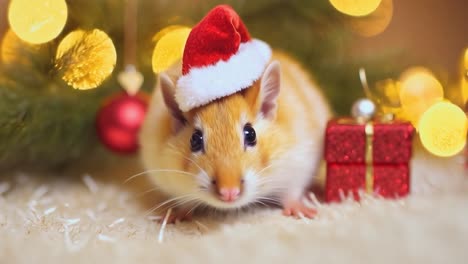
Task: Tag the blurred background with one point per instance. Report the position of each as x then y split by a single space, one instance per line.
45 121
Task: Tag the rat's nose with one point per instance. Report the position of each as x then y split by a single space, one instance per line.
229 194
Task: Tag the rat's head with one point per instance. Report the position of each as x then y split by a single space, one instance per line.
224 146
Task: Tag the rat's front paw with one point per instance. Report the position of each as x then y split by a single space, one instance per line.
297 209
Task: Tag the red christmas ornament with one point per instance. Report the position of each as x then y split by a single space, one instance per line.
119 120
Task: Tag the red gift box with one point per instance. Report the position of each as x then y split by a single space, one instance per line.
372 157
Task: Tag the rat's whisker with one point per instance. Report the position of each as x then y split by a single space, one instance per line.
265 168
272 184
147 191
185 201
261 203
189 159
195 207
270 180
272 200
158 170
175 199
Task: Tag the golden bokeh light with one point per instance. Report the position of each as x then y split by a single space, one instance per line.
169 47
356 7
387 96
374 23
85 58
37 21
419 90
464 77
443 128
13 50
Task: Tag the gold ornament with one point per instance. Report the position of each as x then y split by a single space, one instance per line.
85 58
37 21
419 90
443 128
374 23
130 79
356 7
169 47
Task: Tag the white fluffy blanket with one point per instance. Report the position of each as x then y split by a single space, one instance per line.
87 215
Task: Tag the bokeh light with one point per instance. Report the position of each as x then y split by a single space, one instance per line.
419 90
374 23
169 47
37 21
443 128
13 50
464 77
85 58
356 7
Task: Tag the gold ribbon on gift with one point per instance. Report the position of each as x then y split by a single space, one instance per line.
369 129
368 159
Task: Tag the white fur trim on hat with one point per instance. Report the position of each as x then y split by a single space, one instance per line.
203 85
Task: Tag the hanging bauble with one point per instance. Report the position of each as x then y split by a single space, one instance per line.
119 120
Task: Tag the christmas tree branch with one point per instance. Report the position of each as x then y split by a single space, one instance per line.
45 122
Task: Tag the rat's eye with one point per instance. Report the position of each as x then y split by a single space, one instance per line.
250 138
196 141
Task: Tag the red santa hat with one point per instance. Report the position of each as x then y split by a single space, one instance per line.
220 58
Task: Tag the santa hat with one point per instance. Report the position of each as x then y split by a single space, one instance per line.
220 58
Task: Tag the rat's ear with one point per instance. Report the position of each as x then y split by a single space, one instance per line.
269 90
168 91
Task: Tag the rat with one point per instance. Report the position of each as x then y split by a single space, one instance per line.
263 143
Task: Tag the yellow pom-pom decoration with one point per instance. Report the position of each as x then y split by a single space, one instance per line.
85 58
169 47
37 21
443 128
356 7
419 90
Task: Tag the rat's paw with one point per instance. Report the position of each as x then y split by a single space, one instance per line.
177 215
298 209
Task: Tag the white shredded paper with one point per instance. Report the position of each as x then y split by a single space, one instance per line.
71 221
163 226
4 187
106 238
154 217
201 225
39 192
315 200
116 222
90 183
72 246
50 210
91 214
101 206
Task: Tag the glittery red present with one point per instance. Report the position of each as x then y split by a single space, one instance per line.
346 148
